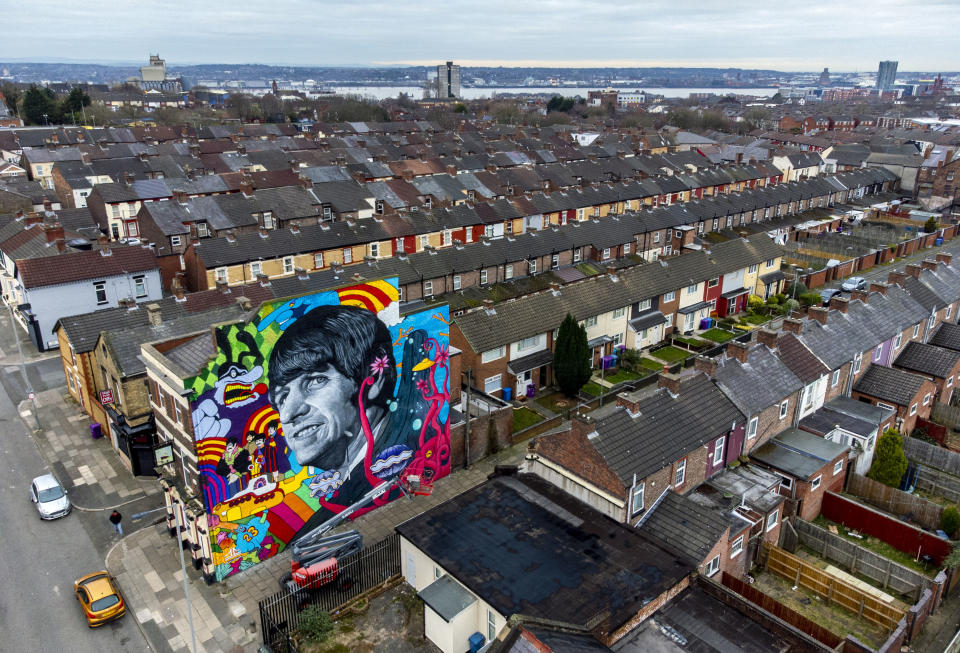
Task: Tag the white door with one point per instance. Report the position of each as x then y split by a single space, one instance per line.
522 380
410 570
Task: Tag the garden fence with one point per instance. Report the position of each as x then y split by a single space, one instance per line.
908 507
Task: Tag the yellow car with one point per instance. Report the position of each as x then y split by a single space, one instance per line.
100 598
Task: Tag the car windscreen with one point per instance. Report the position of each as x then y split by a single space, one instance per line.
50 494
104 603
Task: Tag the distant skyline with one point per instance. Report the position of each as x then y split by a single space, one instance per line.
845 36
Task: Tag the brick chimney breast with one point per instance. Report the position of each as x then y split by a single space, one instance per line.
738 350
928 265
818 313
791 325
896 278
913 270
839 304
879 287
705 364
669 381
767 337
944 257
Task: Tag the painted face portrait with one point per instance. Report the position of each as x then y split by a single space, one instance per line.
317 369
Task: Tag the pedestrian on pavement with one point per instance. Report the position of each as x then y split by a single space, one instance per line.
115 519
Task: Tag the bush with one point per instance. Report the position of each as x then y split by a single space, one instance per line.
790 305
315 624
773 300
754 303
950 520
810 299
797 289
889 461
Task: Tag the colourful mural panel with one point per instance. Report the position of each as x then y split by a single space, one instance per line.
311 405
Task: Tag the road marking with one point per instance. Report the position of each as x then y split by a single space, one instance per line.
56 590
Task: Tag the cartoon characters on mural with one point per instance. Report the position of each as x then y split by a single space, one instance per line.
352 397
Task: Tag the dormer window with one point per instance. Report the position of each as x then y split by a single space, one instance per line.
268 222
202 230
327 212
427 203
379 207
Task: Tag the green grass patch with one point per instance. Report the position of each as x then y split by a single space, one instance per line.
620 376
650 364
587 269
671 354
756 319
692 342
557 402
524 418
592 388
717 335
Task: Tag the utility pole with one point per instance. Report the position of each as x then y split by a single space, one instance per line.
466 430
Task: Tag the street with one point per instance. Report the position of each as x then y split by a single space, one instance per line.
38 611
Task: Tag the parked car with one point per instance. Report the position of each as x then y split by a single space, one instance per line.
100 598
854 283
827 294
50 497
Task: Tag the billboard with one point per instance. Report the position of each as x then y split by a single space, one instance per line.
310 405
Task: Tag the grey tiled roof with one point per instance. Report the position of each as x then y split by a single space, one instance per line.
947 336
928 359
799 453
890 385
687 526
763 381
636 444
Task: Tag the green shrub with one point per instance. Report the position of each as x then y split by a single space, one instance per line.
950 520
773 300
810 299
889 461
754 303
316 625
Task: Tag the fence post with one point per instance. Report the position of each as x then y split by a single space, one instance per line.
860 611
886 576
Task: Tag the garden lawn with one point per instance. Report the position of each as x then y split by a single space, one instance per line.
592 389
717 335
756 319
620 376
556 402
524 418
671 354
650 364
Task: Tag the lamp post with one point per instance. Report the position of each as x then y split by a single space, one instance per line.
183 570
45 121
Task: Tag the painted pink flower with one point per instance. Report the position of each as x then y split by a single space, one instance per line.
443 355
380 365
421 385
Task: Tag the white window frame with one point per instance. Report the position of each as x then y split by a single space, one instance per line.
175 241
896 343
528 343
713 566
491 380
926 399
736 548
680 475
456 282
772 517
656 236
718 449
508 271
100 292
555 261
815 482
577 254
752 428
493 354
644 305
836 378
784 406
637 491
606 254
786 482
347 255
428 288
532 267
256 268
878 352
221 274
202 230
375 250
857 362
752 269
483 276
590 322
491 626
318 260
618 313
692 289
837 467
916 330
140 286
669 296
913 410
287 264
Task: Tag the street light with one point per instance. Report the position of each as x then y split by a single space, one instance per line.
183 569
45 121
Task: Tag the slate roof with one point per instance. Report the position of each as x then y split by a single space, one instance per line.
73 266
935 361
947 336
684 525
567 562
798 453
763 381
801 361
890 385
637 444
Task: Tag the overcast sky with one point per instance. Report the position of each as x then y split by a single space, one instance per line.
844 35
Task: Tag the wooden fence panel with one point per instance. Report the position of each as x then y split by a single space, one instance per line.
939 483
903 504
931 455
833 589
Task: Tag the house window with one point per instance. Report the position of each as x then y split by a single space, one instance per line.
202 230
398 245
897 341
856 362
783 408
713 566
532 267
681 474
527 343
606 254
508 227
348 255
327 213
718 450
644 305
916 330
100 288
318 260
428 289
579 214
670 296
619 312
656 236
424 241
713 283
483 277
590 322
752 427
255 269
772 520
555 261
837 467
508 272
447 237
835 379
268 222
491 384
576 254
926 399
737 547
786 482
140 286
946 315
287 264
878 353
221 275
692 289
437 573
176 410
913 409
753 268
638 499
175 241
491 626
456 282
626 248
493 354
950 381
815 483
375 250
716 223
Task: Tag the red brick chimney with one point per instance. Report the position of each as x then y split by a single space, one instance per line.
928 265
768 337
52 232
896 278
629 401
32 219
791 325
862 295
913 270
838 304
669 381
705 364
879 287
944 257
818 313
738 350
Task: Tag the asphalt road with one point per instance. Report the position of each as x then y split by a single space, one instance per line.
40 560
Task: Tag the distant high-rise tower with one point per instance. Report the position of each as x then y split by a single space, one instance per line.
448 80
824 77
886 75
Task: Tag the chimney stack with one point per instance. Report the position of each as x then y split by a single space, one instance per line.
153 314
928 265
767 337
879 287
669 381
862 295
896 278
488 306
53 232
791 325
243 303
944 257
706 365
738 350
818 313
913 270
838 304
222 286
629 401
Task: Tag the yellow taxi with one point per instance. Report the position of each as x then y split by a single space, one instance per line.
100 598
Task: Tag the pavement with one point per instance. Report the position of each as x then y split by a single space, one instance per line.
146 561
